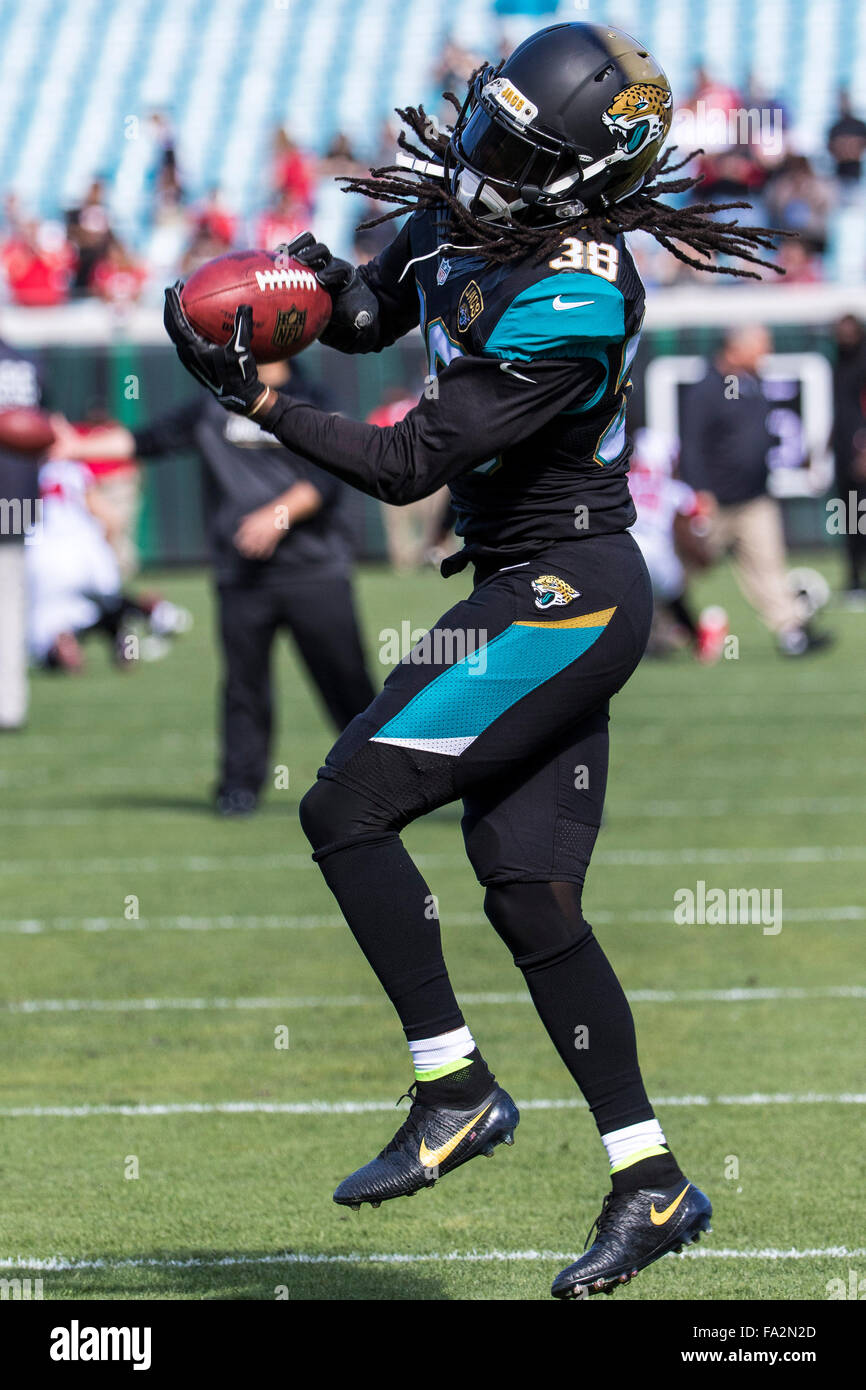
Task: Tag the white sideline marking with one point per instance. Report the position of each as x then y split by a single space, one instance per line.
631 858
33 926
59 1263
728 806
350 1001
380 1107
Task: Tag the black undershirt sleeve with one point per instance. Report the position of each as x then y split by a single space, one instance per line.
476 408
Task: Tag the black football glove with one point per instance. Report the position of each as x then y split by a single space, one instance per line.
355 305
230 371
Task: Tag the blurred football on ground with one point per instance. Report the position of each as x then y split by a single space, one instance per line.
25 430
290 308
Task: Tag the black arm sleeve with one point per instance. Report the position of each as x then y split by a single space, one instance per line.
169 433
476 408
392 302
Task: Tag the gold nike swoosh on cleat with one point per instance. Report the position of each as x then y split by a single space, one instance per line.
431 1158
658 1218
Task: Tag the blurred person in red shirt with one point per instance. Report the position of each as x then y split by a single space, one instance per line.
37 262
292 171
281 223
117 278
215 219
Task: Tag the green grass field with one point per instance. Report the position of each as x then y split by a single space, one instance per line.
748 774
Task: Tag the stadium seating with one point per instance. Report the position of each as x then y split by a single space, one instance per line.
79 77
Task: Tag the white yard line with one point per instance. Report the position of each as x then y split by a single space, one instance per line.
376 1107
34 926
62 1264
630 858
638 808
350 1001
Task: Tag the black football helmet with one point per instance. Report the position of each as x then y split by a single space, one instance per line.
570 122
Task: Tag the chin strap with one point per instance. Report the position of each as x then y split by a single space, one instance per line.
428 167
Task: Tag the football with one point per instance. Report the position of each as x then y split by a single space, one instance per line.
290 308
25 430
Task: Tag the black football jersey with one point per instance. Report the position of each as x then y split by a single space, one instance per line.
523 412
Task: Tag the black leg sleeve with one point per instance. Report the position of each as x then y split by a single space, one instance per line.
578 997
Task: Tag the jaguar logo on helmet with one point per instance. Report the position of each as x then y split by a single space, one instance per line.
637 115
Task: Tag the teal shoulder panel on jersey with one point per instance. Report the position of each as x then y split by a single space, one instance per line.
557 317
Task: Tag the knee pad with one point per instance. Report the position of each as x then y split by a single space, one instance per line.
334 817
540 923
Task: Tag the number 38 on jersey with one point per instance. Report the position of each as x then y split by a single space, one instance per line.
598 257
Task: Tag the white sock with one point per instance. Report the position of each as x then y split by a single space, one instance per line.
431 1054
623 1144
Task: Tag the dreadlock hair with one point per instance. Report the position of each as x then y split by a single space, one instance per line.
694 227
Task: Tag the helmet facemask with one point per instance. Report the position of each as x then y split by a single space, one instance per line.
496 170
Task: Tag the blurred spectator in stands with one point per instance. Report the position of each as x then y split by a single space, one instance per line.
800 264
846 142
410 531
386 146
215 220
281 223
88 227
13 218
715 95
731 174
117 277
20 385
798 200
451 74
169 192
202 247
339 158
38 261
724 448
165 172
731 136
369 241
292 171
213 233
454 69
848 442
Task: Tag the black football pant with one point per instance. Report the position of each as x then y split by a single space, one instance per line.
321 617
504 704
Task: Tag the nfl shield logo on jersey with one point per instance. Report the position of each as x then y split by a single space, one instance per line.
443 272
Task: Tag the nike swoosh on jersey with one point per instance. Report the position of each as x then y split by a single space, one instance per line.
560 303
508 367
658 1218
432 1157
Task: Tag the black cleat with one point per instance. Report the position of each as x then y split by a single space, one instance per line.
432 1140
632 1230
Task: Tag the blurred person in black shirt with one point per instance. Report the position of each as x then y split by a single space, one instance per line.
723 451
282 555
846 142
848 442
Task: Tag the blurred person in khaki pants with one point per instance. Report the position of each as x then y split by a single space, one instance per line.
723 451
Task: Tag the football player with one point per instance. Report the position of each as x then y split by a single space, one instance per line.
514 264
